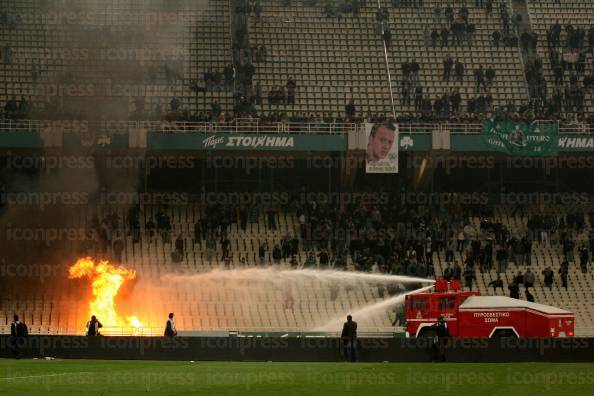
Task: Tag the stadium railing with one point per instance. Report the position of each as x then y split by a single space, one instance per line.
256 126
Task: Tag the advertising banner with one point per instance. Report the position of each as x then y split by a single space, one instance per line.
246 142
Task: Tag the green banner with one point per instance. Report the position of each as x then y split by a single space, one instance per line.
246 142
518 138
20 139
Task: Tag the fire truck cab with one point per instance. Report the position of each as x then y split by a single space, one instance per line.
470 315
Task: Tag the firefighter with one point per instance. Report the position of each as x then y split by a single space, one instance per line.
349 339
440 340
400 316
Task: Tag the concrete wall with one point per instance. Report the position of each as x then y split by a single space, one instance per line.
297 349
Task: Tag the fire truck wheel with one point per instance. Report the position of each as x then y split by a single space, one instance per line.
427 333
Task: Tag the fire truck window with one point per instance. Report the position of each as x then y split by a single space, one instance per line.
451 303
419 304
447 303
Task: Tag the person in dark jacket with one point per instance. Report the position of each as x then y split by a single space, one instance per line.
548 277
93 327
445 33
496 283
434 37
584 257
440 340
277 254
514 290
170 330
448 62
18 328
496 38
459 70
564 272
18 331
469 276
349 339
490 75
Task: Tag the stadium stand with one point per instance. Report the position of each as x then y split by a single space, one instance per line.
208 307
412 27
543 16
131 57
332 60
140 60
578 297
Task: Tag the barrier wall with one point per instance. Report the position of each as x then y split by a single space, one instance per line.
297 349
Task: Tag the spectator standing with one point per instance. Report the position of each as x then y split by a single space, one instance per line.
584 257
490 75
514 290
434 38
528 278
479 76
457 271
548 277
496 38
291 88
489 7
497 283
351 110
445 33
449 255
564 273
461 241
118 247
468 277
210 249
277 254
501 256
456 99
262 253
459 70
448 62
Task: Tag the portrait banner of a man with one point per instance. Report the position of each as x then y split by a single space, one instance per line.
382 148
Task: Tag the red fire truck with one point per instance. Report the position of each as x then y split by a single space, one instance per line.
470 315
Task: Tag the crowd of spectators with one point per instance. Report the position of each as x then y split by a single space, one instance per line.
337 9
393 237
451 28
16 109
568 50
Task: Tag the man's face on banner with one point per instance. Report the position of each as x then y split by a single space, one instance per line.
379 146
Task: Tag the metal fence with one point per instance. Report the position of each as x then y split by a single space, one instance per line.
256 126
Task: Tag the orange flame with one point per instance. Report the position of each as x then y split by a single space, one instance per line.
106 282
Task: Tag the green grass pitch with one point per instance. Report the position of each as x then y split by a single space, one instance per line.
130 378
